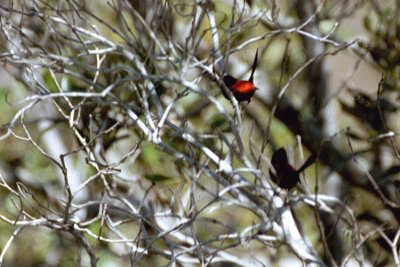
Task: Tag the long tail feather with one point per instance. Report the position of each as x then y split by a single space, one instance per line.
253 68
308 162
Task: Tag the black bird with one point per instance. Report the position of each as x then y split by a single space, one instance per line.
285 175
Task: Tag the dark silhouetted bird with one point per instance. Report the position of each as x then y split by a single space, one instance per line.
285 175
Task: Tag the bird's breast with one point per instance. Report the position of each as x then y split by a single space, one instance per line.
243 87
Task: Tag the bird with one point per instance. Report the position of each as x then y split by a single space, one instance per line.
242 90
286 176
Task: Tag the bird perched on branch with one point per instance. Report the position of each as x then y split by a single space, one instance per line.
286 176
242 90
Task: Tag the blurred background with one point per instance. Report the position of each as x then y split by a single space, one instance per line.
117 147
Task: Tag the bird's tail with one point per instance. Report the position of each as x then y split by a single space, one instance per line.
308 162
253 68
